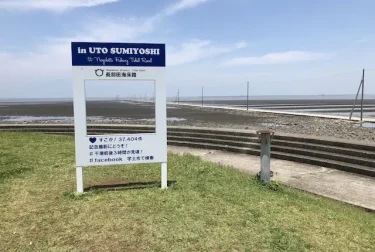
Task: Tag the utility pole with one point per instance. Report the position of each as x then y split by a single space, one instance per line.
363 91
202 96
356 97
247 99
178 97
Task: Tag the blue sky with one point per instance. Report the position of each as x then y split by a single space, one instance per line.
282 47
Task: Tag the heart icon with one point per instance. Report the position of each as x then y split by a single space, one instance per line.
92 139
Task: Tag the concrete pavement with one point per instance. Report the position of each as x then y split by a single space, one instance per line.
347 187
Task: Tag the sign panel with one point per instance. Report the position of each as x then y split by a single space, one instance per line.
118 54
119 61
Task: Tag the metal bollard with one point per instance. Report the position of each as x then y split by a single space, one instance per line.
265 137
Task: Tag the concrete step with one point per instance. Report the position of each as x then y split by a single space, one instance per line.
324 155
251 142
218 133
70 126
326 148
282 137
241 144
228 132
173 133
337 153
342 155
353 168
99 131
348 157
215 147
327 142
253 139
278 143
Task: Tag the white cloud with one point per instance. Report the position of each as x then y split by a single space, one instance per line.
363 40
181 5
276 58
115 30
51 60
49 65
50 5
241 44
198 49
129 29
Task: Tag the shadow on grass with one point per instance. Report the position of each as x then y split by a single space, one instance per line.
127 186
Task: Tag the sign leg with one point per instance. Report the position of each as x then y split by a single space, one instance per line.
79 176
164 176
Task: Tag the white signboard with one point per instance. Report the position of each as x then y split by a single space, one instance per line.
119 61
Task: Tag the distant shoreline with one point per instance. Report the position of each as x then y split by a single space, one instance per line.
258 98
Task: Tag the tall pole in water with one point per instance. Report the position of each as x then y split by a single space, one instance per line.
178 97
202 96
356 97
247 99
363 90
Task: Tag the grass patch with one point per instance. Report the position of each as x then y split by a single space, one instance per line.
206 208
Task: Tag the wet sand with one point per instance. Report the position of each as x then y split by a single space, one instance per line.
292 102
143 113
339 107
125 111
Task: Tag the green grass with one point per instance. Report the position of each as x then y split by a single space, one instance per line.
206 208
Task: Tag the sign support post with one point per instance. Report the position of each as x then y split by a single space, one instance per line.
124 62
79 177
164 176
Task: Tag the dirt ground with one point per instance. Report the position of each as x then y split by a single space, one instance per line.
135 113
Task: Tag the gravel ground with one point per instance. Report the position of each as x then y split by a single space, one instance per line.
192 116
315 126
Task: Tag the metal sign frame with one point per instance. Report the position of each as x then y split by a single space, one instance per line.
119 61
